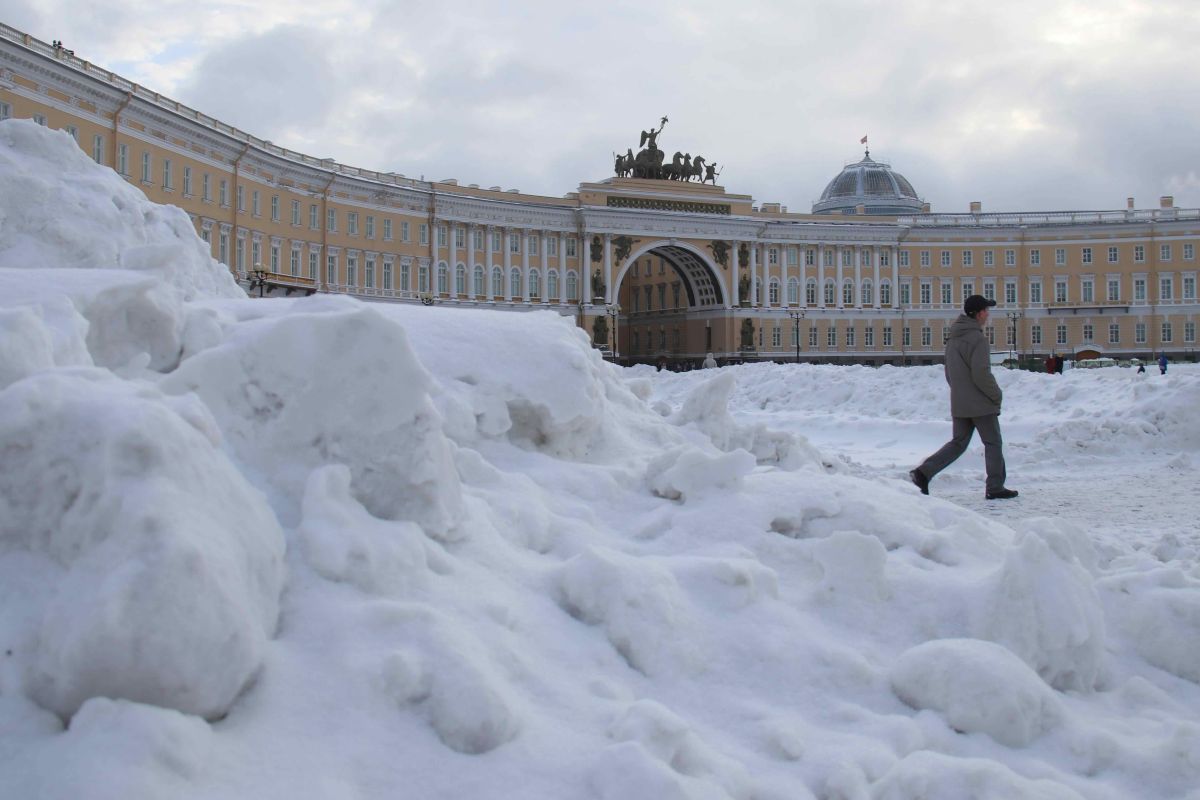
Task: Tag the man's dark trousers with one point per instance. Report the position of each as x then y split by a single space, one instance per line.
993 453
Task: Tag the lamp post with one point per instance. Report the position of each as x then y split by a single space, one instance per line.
614 310
796 316
258 277
1013 316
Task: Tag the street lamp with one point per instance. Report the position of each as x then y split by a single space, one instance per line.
614 310
258 277
796 316
1013 316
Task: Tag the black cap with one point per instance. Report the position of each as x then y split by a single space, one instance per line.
976 303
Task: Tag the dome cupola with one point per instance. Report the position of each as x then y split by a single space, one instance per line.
872 185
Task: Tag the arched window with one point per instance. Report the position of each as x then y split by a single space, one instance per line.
497 282
847 292
552 284
773 292
514 283
535 284
460 280
478 287
830 292
443 278
793 291
867 293
810 292
572 287
885 293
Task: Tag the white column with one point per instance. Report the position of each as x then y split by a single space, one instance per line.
737 277
839 299
525 261
858 251
801 296
783 281
753 273
487 262
452 268
820 276
505 233
875 251
544 265
585 268
895 277
608 287
471 262
765 265
562 268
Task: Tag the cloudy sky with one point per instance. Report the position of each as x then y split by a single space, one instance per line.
1021 105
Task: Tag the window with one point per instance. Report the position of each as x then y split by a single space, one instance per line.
460 280
1010 258
810 292
147 173
1189 252
869 336
73 132
849 335
331 269
989 258
968 258
1189 331
387 277
352 223
552 283
404 232
926 296
223 248
1060 290
887 335
5 111
531 244
1164 252
772 255
313 264
571 247
423 233
885 260
945 258
514 282
1166 333
274 208
514 243
906 337
1114 290
551 245
369 272
331 220
968 289
40 119
926 336
241 256
904 258
793 292
496 242
793 257
1189 287
275 258
423 278
572 284
296 213
924 258
773 292
370 229
847 292
810 257
497 282
831 335
1139 253
224 193
98 149
848 257
989 290
1139 290
314 217
1114 333
867 294
387 230
906 294
830 293
241 199
945 334
1010 292
1139 333
885 293
947 293
1035 291
1113 255
294 262
1035 258
256 205
123 159
1060 256
1166 286
443 278
1088 292
1035 334
1087 255
206 188
776 337
1089 331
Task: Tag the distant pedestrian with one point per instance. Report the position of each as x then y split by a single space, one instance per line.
1141 369
1058 364
975 399
709 361
1162 363
1050 364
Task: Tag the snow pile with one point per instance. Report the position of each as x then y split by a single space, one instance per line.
59 209
313 547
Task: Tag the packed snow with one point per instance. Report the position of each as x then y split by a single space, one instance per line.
311 547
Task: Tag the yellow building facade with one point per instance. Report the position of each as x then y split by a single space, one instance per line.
654 269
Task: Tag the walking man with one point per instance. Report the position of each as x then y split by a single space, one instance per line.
974 401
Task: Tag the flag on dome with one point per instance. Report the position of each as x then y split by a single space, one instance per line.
863 140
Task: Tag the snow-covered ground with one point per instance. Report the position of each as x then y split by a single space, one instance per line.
311 548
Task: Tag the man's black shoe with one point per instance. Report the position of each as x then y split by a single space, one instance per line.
919 480
1001 494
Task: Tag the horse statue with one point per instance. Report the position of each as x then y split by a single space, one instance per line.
697 170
